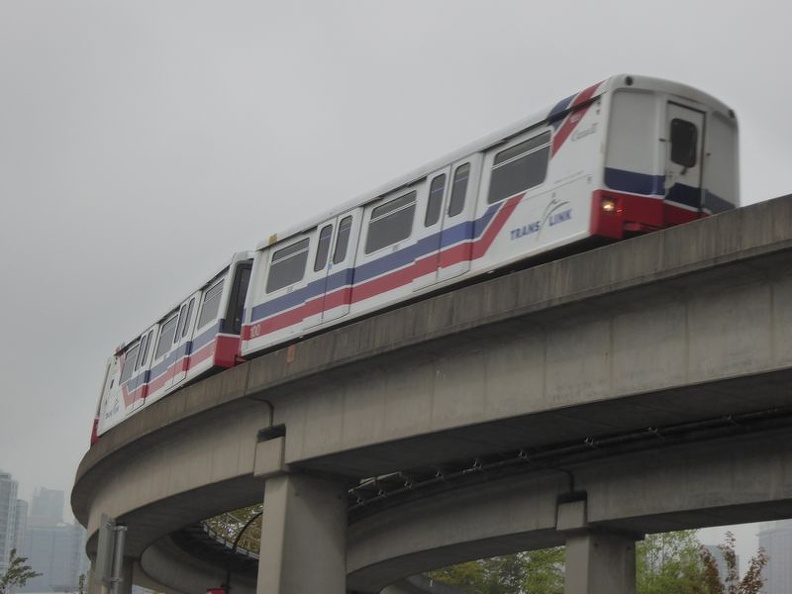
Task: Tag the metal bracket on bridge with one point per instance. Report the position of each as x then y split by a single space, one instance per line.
269 457
572 511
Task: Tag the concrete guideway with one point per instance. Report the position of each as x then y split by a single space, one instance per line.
685 324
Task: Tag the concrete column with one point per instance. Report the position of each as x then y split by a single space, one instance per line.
596 560
303 527
303 536
600 562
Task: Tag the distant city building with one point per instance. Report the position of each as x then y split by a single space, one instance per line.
21 525
46 508
58 553
776 539
8 522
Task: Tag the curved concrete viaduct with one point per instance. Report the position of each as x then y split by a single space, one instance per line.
680 326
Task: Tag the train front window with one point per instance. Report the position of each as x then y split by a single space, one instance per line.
684 139
519 168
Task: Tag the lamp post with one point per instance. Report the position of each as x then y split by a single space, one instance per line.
234 548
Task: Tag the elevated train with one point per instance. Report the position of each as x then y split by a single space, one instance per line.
628 155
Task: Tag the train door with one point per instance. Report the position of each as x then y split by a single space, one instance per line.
142 370
335 255
456 243
182 339
449 216
427 260
683 178
132 382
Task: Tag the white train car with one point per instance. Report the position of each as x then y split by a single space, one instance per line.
628 155
198 336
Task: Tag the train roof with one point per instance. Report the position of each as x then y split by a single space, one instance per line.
557 111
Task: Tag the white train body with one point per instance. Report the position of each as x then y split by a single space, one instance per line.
199 335
625 156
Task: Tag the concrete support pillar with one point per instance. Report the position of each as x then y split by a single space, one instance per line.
303 530
596 560
600 562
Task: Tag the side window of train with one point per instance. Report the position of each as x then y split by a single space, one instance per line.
342 240
684 138
166 336
130 361
435 202
391 222
287 266
186 325
459 190
182 323
323 249
211 303
519 168
144 346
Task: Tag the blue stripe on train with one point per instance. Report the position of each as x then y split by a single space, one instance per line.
404 257
653 185
635 183
187 348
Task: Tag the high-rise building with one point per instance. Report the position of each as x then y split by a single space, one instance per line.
8 522
21 524
46 508
58 553
776 539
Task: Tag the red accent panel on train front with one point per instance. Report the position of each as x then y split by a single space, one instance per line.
631 212
226 350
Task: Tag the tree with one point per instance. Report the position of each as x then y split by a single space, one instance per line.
17 574
669 563
530 572
752 581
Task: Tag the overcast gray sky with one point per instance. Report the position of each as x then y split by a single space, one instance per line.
141 143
